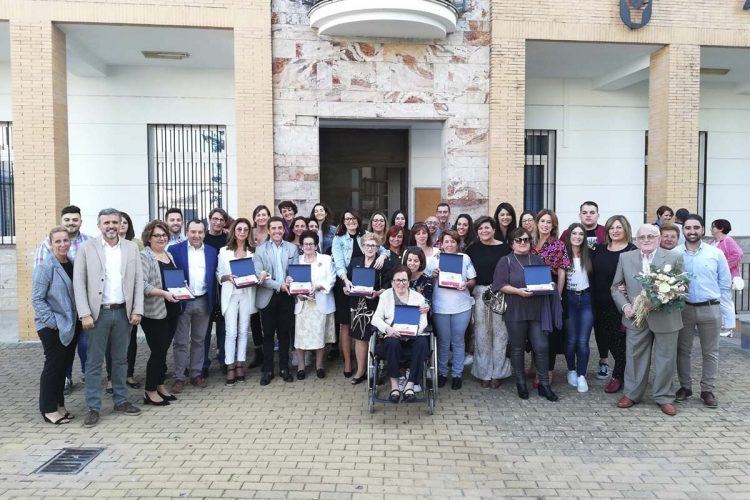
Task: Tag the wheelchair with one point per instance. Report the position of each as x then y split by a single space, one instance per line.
378 383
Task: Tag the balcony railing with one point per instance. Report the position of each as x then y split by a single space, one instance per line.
420 19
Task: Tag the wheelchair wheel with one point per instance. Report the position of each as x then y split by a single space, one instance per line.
434 367
371 398
430 401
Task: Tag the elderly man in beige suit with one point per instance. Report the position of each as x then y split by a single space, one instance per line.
660 332
108 288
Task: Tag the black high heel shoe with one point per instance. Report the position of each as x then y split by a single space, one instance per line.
148 401
359 380
171 397
523 391
545 391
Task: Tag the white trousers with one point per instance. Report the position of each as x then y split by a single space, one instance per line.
237 321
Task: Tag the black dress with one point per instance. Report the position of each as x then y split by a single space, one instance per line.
363 308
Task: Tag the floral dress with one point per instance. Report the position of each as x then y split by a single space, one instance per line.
554 254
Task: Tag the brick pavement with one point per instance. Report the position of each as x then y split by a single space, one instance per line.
316 439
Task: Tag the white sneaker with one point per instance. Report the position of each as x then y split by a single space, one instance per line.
583 386
727 333
573 378
468 360
417 388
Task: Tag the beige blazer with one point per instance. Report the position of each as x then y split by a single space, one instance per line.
88 278
629 265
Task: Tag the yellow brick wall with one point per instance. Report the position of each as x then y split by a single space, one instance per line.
39 97
685 25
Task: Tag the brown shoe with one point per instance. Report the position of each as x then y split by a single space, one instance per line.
178 386
485 384
198 382
495 383
668 409
709 399
614 385
625 402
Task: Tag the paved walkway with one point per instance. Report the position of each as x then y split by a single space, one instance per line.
316 439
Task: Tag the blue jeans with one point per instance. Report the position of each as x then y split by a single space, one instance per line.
82 347
112 325
450 331
578 326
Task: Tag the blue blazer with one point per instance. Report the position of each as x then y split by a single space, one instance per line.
53 300
180 256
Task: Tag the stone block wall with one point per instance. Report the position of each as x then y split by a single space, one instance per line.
8 283
321 77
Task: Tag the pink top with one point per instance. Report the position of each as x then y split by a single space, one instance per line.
732 252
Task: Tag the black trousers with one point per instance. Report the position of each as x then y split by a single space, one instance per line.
518 333
132 352
276 319
257 330
415 349
608 326
57 357
159 335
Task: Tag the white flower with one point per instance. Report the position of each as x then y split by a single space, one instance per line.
667 268
664 288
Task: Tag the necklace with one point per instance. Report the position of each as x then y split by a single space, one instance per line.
519 262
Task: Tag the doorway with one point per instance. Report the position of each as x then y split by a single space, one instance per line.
364 169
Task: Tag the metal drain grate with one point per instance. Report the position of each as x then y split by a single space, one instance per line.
69 461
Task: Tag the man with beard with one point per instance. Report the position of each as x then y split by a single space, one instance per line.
174 223
70 219
108 289
709 277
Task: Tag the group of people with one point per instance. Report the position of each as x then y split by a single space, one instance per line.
93 292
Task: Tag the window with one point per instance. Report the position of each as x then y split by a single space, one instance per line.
539 170
7 208
187 169
702 170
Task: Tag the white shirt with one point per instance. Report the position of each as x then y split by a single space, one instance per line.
196 270
646 261
112 292
577 279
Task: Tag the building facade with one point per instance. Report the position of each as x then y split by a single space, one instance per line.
373 104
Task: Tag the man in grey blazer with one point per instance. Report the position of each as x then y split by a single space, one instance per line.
108 288
660 332
272 298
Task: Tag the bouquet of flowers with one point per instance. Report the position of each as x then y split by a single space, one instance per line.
663 290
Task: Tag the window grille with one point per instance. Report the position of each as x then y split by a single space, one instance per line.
187 169
539 170
7 207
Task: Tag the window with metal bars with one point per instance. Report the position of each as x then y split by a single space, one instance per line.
187 169
539 170
7 207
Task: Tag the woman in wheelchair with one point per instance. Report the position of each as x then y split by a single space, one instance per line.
416 348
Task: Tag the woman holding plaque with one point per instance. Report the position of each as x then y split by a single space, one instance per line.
237 300
420 282
361 306
396 344
451 306
490 335
523 318
346 245
313 327
160 311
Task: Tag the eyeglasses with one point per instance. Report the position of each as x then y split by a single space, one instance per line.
400 280
370 245
308 244
649 237
521 240
242 229
431 223
350 219
160 236
217 219
526 221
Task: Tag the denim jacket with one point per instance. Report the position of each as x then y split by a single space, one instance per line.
342 252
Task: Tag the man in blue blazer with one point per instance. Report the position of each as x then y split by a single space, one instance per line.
198 262
272 297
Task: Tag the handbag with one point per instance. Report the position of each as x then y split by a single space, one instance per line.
495 301
738 283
